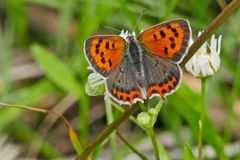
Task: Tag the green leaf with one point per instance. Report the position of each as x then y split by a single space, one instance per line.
55 69
188 155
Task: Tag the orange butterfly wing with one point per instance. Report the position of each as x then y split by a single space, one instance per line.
104 53
168 39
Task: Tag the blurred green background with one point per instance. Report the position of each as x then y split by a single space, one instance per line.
42 65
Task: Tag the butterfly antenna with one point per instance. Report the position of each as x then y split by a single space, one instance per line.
114 29
140 16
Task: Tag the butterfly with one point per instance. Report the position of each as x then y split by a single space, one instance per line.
138 68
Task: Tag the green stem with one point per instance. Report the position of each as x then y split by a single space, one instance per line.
143 157
201 121
151 134
110 118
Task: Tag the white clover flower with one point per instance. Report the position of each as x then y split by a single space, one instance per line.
207 59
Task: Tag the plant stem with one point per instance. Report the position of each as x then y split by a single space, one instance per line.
195 46
107 131
143 157
110 118
211 28
201 121
151 134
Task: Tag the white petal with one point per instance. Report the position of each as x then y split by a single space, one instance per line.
219 44
199 33
203 49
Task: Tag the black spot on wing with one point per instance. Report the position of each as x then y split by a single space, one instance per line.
162 34
166 50
173 45
155 36
171 39
98 45
169 26
102 54
107 45
97 51
110 62
103 60
176 34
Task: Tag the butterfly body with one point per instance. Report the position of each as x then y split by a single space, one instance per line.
139 68
135 53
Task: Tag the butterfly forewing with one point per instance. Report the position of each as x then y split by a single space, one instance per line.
104 53
168 40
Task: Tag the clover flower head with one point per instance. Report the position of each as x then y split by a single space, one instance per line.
147 119
207 59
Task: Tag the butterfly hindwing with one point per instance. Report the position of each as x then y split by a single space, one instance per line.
104 53
122 84
168 39
163 76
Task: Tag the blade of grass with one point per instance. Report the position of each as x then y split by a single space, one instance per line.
17 17
6 41
188 155
65 21
131 147
55 69
110 119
